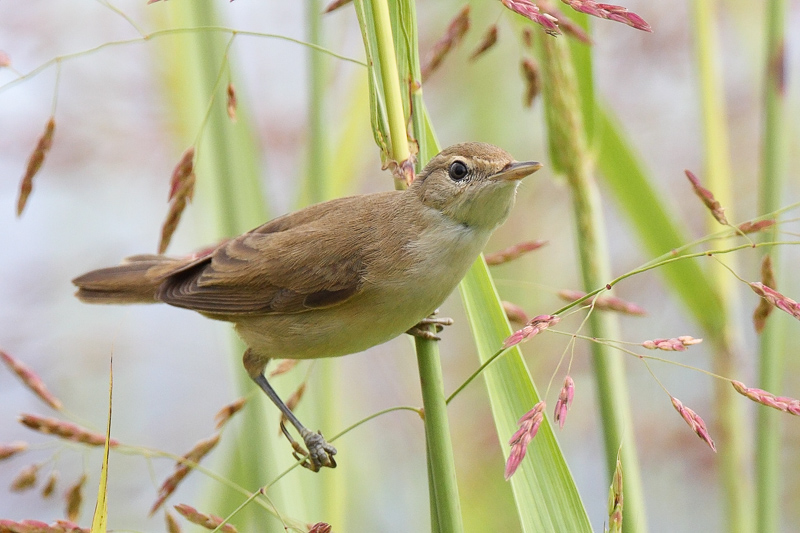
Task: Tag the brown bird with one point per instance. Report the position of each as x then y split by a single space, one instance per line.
337 277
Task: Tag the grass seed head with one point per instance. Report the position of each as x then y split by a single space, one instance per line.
65 430
228 411
208 521
455 32
564 401
50 486
26 478
512 252
707 197
534 326
528 427
694 421
232 102
74 497
489 40
30 379
35 164
514 313
12 448
781 403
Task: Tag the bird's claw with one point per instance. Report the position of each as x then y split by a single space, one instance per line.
318 452
420 329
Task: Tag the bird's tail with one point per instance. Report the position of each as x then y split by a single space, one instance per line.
135 280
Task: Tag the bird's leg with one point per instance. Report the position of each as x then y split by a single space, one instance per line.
319 453
421 330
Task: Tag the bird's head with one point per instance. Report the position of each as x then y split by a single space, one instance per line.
472 183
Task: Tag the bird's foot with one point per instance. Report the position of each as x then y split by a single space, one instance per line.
421 328
317 453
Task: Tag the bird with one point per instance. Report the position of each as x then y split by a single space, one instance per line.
337 277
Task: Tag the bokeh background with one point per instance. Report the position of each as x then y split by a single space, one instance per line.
102 196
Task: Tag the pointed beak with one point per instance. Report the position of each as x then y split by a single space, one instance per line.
517 170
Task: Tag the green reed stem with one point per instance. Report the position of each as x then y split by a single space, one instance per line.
769 490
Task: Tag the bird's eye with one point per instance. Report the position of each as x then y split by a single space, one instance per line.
458 170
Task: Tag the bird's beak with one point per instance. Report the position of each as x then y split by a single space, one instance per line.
517 170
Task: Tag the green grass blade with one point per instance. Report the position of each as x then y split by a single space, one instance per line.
543 488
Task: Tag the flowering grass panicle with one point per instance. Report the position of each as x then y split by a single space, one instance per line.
781 403
609 12
181 191
531 11
35 164
604 303
776 299
764 307
65 430
615 500
74 497
455 32
528 426
514 313
232 102
564 401
208 521
678 344
12 448
695 422
753 227
225 414
31 380
35 526
195 455
534 326
707 197
533 81
488 40
50 487
26 479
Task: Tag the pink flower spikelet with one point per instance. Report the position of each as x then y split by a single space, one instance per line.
564 401
695 422
528 426
534 326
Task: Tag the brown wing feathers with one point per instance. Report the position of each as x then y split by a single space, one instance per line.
240 277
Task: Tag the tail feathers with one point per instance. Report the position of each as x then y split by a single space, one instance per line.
136 280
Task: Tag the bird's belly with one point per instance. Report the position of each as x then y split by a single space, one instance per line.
380 312
352 327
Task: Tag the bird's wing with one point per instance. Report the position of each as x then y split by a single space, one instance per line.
278 268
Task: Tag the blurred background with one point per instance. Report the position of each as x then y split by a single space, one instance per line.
101 196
